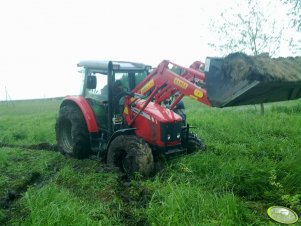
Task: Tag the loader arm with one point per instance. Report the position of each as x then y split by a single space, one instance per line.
191 74
162 82
197 66
168 82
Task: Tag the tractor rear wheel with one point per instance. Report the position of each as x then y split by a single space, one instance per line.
131 154
194 143
71 132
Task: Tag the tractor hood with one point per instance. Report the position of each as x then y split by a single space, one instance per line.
156 112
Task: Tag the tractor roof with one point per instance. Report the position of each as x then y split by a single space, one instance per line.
117 66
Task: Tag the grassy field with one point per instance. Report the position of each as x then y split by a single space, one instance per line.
251 162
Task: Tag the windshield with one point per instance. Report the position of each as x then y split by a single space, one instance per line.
128 81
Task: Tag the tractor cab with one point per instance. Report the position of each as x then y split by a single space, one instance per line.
104 86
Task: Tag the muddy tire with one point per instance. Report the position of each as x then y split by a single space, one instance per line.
194 143
131 154
71 132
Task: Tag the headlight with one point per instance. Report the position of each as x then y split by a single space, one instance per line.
168 137
178 135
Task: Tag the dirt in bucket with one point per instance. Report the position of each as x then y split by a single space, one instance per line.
239 66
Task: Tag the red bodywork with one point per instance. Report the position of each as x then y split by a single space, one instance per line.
148 122
197 65
159 85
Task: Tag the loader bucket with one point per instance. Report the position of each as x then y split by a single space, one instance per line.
239 79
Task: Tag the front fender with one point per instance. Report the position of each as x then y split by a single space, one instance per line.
120 132
87 111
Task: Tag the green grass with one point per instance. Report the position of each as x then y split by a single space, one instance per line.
251 162
71 199
191 205
51 189
28 121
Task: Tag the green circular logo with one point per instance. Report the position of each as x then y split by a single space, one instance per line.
282 215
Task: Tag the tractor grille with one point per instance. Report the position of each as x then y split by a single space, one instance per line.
170 131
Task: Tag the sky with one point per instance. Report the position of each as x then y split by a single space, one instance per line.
41 41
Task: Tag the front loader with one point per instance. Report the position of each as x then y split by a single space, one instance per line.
120 115
239 79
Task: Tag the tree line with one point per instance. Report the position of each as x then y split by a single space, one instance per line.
250 28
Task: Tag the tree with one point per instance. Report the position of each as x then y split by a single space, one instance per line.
294 12
246 28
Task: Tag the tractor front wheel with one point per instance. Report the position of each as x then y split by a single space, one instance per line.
71 132
194 143
132 154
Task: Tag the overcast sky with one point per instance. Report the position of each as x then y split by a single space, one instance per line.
42 41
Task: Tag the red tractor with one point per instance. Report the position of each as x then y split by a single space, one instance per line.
120 115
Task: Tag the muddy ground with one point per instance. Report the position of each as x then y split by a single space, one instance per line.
40 146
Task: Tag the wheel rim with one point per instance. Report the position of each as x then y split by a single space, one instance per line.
131 155
66 136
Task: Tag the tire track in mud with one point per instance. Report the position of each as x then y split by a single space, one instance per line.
132 193
14 193
134 196
40 146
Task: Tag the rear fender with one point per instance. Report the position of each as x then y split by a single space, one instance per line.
87 111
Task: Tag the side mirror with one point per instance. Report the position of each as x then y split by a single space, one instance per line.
91 82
